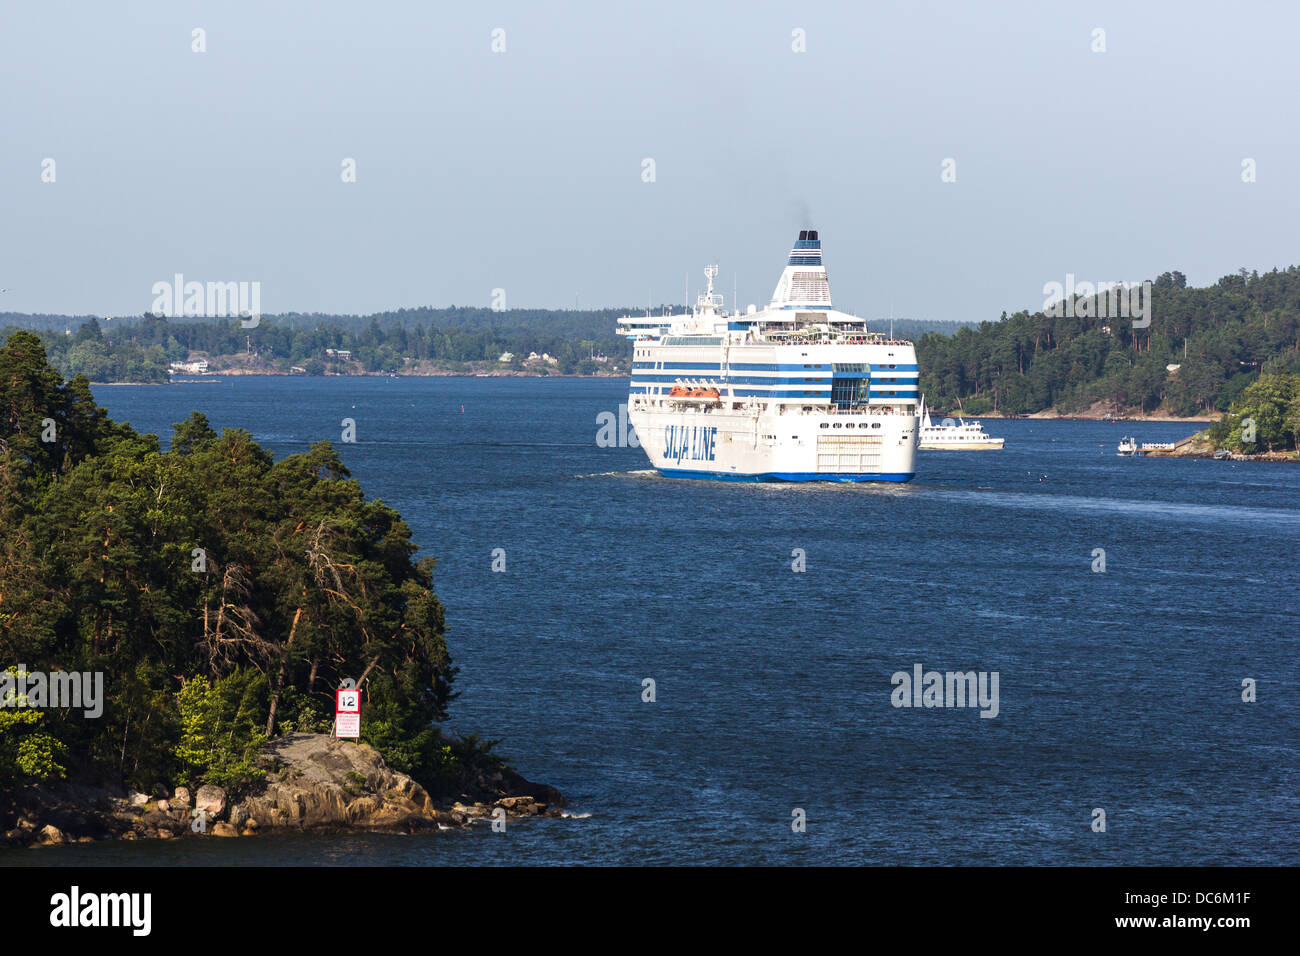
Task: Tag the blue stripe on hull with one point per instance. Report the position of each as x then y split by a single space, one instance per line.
785 476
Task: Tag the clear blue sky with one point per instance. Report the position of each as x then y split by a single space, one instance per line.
522 170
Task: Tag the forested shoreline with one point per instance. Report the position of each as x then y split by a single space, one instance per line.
1218 339
1199 352
222 595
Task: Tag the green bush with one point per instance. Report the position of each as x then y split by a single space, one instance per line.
221 730
301 714
28 751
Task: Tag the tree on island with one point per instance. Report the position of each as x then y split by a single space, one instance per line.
222 594
1266 416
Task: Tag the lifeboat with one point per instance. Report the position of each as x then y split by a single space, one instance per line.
708 395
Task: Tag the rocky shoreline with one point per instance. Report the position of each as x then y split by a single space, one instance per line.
313 782
1199 446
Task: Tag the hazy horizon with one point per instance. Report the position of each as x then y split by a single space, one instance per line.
523 170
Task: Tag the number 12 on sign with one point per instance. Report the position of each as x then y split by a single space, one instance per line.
347 713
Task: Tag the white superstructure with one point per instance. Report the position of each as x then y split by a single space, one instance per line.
796 391
958 434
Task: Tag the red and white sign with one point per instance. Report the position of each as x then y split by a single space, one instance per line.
347 713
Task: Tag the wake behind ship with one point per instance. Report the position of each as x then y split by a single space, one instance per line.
794 392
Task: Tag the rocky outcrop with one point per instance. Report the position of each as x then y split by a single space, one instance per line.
323 782
313 781
1200 446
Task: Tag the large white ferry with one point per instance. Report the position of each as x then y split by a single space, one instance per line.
794 392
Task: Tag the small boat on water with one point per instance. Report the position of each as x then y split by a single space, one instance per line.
1129 447
958 434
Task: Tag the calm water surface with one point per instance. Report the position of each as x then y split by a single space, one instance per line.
1119 690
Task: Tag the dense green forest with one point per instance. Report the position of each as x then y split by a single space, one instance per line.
1265 417
1221 337
106 358
223 596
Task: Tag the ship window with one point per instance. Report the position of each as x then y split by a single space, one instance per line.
875 424
837 425
825 425
850 425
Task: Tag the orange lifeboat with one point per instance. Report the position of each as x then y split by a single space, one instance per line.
711 395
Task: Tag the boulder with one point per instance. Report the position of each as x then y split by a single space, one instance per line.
166 834
238 815
164 806
212 799
223 830
518 804
50 835
138 799
182 797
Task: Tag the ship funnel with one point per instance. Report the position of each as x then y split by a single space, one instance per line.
803 284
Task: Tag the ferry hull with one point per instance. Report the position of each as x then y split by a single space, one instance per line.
814 447
961 446
785 476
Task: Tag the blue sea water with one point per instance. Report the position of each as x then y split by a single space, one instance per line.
1119 690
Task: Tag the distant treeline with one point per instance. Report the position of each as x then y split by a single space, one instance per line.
1221 337
139 348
